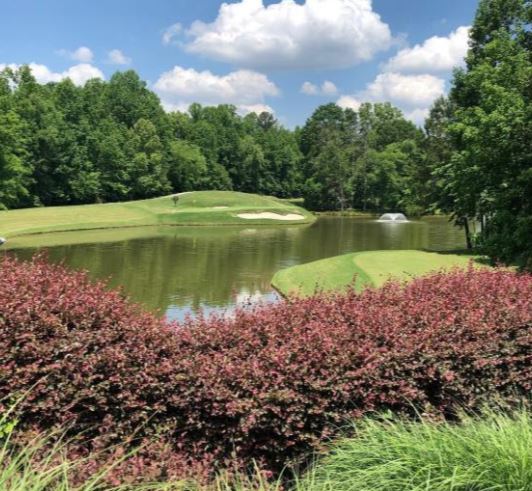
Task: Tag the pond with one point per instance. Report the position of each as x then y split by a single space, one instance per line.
179 270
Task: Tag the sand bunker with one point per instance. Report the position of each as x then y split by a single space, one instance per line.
270 216
219 207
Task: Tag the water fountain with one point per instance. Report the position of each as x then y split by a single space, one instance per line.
393 218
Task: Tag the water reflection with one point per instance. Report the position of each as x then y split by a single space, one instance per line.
179 270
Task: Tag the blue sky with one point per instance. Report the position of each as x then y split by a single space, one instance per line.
254 54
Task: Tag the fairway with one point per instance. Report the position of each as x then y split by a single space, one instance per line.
195 208
372 268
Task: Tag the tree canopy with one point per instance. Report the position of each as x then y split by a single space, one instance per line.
479 140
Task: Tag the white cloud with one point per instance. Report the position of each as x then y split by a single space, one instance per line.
327 88
12 66
171 33
408 81
244 88
316 34
409 90
82 54
116 57
255 108
79 74
181 107
418 115
413 94
309 88
349 102
436 54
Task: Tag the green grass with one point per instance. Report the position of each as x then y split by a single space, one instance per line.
479 454
197 208
372 268
488 453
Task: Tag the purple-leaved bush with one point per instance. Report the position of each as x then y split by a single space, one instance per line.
269 384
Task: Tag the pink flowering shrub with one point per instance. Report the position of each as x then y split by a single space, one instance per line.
269 384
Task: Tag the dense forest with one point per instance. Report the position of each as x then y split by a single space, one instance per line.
112 141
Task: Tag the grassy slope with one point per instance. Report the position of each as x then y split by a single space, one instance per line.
371 268
196 208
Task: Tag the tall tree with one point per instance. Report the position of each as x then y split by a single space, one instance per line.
489 176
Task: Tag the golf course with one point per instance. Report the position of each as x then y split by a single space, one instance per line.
363 269
194 208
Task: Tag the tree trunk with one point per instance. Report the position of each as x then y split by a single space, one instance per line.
469 242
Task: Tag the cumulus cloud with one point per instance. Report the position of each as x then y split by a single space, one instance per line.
116 57
315 34
436 54
410 90
409 81
412 93
79 74
171 33
82 54
309 88
243 88
255 108
418 115
327 88
349 102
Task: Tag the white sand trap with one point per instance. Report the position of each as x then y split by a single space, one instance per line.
220 207
270 216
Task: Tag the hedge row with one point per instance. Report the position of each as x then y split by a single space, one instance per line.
268 384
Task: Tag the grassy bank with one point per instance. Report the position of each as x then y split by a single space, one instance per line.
493 452
197 208
372 268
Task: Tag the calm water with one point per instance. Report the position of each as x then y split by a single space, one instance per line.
178 270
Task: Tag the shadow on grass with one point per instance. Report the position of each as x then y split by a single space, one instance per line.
475 256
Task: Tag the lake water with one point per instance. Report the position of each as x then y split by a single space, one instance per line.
179 270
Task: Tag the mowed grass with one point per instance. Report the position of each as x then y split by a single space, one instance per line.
362 269
196 208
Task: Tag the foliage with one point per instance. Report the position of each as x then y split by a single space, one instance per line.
388 454
367 159
487 175
112 141
267 384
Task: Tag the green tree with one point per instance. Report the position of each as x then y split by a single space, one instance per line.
187 167
14 169
489 177
148 174
330 186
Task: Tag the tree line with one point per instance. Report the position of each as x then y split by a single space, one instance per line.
112 141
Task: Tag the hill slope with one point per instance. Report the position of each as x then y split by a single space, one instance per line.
195 208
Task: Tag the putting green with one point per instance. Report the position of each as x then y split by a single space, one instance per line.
372 268
195 208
